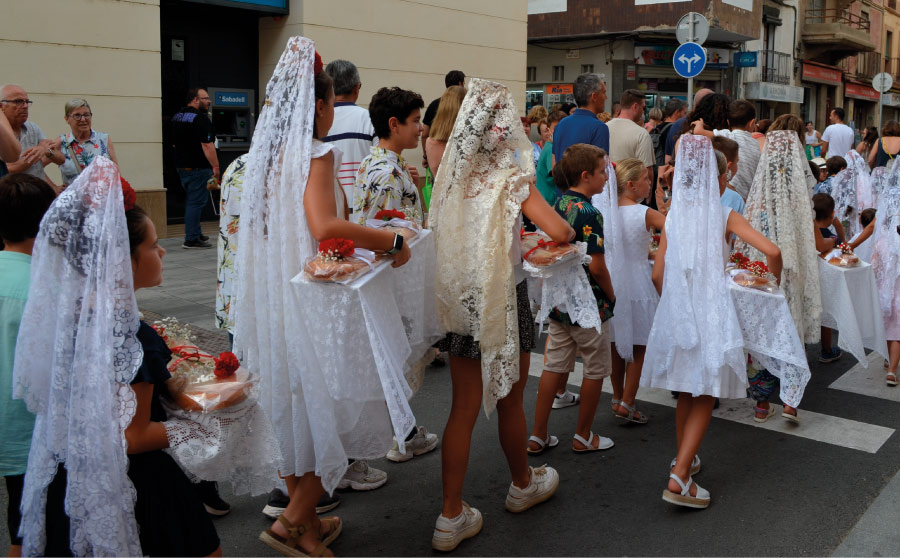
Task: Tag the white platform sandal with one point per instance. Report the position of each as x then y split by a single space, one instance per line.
700 501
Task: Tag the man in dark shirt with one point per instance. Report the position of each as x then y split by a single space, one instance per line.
583 126
196 162
675 130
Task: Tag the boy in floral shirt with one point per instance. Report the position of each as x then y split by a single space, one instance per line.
581 173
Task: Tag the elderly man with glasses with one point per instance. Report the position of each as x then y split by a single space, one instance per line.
37 150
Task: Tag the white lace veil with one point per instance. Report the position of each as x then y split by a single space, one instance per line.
779 207
880 177
274 243
76 355
846 206
483 179
886 258
863 180
695 310
607 202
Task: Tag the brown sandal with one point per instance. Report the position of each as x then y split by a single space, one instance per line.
290 546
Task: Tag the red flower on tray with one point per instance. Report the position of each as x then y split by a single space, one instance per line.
758 268
739 260
845 248
388 214
336 249
226 365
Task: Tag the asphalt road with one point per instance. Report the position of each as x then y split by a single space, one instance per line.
777 490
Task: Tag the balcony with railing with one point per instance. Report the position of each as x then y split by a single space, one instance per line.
832 34
864 65
775 66
892 66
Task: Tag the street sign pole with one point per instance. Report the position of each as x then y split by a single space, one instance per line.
692 28
880 104
882 83
690 91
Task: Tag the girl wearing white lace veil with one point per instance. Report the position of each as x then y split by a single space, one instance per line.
886 265
627 244
96 476
290 202
695 345
486 179
863 180
846 204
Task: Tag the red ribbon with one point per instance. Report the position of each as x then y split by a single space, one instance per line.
542 244
179 350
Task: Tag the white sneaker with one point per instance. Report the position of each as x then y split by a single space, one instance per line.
448 533
566 399
360 476
422 442
544 482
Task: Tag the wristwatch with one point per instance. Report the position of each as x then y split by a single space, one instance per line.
398 244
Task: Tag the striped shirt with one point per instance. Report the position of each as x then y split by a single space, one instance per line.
352 133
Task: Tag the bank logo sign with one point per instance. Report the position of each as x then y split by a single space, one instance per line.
230 99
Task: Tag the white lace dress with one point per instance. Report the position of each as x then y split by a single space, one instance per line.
637 272
687 372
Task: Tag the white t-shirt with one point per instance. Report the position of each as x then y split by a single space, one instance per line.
627 139
352 132
839 138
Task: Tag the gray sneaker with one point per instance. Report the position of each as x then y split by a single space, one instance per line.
422 442
543 485
448 533
360 476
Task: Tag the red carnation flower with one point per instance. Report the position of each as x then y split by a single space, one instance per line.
336 248
128 194
388 214
845 248
758 268
317 65
739 259
226 365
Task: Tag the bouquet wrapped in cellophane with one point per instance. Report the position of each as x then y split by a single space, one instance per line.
754 275
843 256
540 251
338 261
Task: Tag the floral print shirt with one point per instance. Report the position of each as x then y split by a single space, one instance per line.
80 154
229 220
383 182
587 221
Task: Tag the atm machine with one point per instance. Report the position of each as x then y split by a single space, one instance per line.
233 119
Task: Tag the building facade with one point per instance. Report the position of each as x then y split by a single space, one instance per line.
134 60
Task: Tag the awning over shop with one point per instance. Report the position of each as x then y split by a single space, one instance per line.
779 93
818 73
860 91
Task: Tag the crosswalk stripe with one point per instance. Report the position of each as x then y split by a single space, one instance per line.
867 381
837 431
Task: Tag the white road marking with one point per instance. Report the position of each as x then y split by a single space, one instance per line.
868 381
837 431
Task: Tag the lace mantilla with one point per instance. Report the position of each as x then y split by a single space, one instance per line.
695 318
779 207
564 285
886 260
76 356
484 177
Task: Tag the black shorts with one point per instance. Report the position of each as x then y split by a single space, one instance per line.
14 486
465 346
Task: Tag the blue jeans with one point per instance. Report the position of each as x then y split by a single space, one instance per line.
194 184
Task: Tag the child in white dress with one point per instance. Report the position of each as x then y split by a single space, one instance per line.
695 345
636 297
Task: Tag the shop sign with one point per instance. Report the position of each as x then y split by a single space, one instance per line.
661 55
745 59
891 100
559 89
818 74
230 99
856 91
765 91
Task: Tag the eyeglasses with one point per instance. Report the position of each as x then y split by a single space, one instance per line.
202 98
17 102
86 116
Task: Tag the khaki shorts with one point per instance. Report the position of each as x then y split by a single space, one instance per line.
565 340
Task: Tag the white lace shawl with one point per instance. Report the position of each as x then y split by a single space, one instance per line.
274 243
76 355
846 204
695 310
779 207
863 180
880 177
484 177
886 258
607 202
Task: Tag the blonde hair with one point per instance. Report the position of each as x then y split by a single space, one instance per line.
628 170
448 108
537 113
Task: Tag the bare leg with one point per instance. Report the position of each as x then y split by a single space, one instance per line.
466 377
894 353
562 384
682 410
546 390
632 379
216 552
301 510
512 428
590 397
617 378
16 550
694 429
